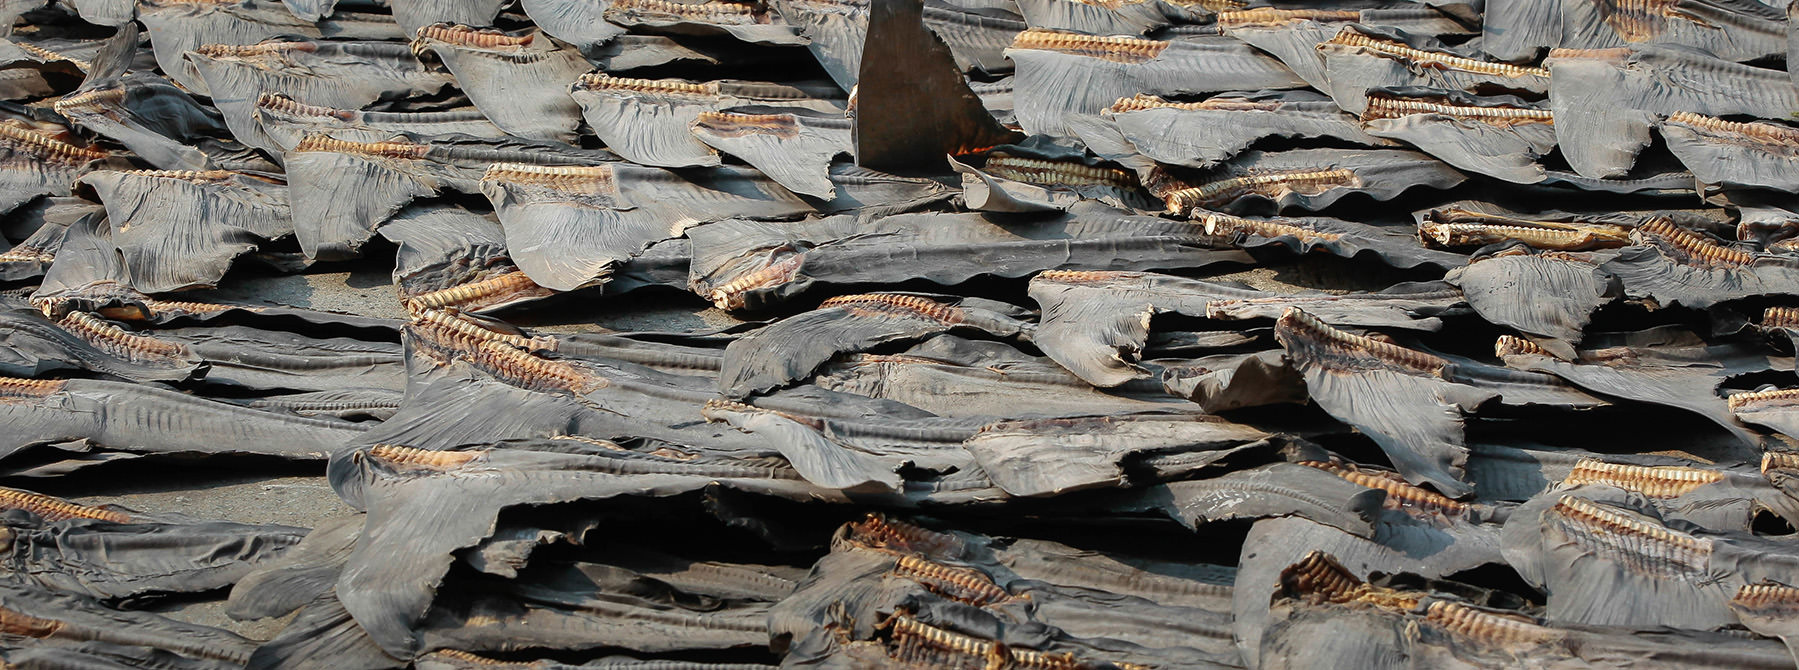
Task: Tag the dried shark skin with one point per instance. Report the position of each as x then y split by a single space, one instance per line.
1324 616
415 14
915 105
1710 495
287 122
1338 237
1414 531
747 264
521 82
322 636
451 659
1671 265
421 507
1501 137
796 347
1657 367
1310 179
1769 408
183 229
1043 457
1548 295
151 116
1019 386
348 75
1205 133
795 151
366 404
114 554
52 216
1733 154
1471 224
276 360
1065 76
567 226
578 22
1606 100
66 627
1520 30
1293 35
893 457
999 588
1097 324
1420 423
341 190
646 603
1735 30
177 28
31 345
649 121
34 164
450 257
145 419
745 22
1360 59
1606 558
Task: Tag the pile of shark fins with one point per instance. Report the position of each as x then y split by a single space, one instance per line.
1038 334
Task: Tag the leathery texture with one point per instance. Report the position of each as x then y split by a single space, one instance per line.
898 334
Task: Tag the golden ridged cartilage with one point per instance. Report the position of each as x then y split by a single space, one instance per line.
382 149
1222 225
56 509
730 295
466 36
1750 400
1668 481
960 584
1479 624
110 338
599 81
423 458
1321 333
20 138
1399 492
512 282
1115 49
1694 245
1388 107
1643 545
1033 171
888 304
1349 37
1269 184
1770 134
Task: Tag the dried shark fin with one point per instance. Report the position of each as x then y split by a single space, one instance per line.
795 151
913 105
183 229
1673 265
1204 133
1549 295
1359 59
1606 100
1062 76
1309 179
179 28
287 122
1734 30
1733 153
521 82
794 348
1420 426
349 75
34 164
1502 138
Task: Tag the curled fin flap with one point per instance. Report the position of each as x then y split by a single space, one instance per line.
913 105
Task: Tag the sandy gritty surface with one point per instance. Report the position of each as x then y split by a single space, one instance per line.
298 495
